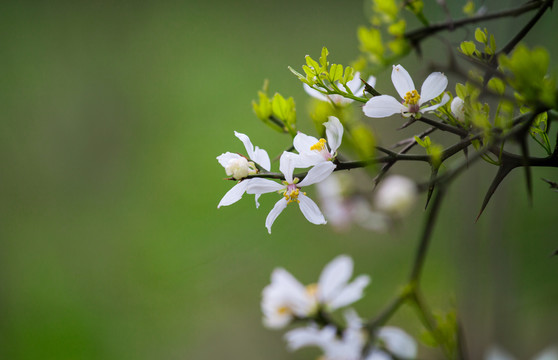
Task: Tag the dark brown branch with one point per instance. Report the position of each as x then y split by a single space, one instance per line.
443 126
525 30
416 36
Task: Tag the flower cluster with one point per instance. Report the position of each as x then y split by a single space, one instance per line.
286 300
312 153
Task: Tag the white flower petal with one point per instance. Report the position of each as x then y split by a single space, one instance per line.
371 80
234 194
310 336
350 293
355 84
277 209
247 144
334 276
226 157
334 133
548 354
262 186
314 93
261 158
402 80
286 283
497 353
318 173
309 159
398 342
257 197
445 99
383 106
310 210
302 143
287 164
433 86
458 108
376 354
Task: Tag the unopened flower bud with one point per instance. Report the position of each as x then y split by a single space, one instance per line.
396 195
239 168
458 108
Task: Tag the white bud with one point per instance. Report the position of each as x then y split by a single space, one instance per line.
396 195
458 108
238 168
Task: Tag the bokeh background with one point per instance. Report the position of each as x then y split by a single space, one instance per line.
112 246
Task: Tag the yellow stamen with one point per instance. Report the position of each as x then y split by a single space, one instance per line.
312 289
283 310
319 146
292 195
412 97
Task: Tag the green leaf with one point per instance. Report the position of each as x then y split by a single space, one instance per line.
497 85
480 36
349 75
300 76
460 90
323 58
335 72
312 64
468 48
263 108
492 43
364 140
469 8
371 41
398 28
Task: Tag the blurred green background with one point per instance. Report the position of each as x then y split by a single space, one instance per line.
112 244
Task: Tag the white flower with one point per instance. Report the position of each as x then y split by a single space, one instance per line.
342 206
497 353
291 189
385 105
397 342
313 151
458 108
396 195
351 344
286 298
334 290
347 347
355 86
239 167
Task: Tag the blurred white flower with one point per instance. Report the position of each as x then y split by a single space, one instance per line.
395 195
342 207
350 345
458 108
291 189
355 86
286 298
313 151
386 105
497 353
397 342
239 167
347 347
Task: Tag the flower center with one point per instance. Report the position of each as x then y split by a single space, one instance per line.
284 310
319 146
312 290
412 97
291 193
